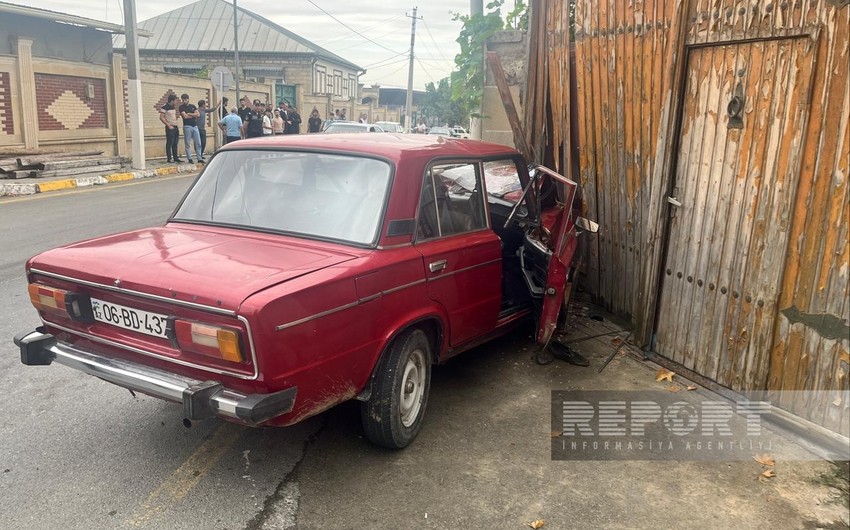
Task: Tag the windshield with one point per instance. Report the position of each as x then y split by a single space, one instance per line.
318 195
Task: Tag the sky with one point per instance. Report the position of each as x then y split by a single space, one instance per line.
384 22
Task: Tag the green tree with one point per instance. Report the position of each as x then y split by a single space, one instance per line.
438 104
468 79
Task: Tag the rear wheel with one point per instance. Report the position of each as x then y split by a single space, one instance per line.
393 413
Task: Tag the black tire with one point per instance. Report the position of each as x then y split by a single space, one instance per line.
393 413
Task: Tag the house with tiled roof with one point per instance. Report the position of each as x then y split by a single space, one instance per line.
196 38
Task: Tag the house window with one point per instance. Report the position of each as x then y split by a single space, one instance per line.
352 85
337 83
321 81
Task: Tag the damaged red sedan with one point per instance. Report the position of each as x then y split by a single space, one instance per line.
302 271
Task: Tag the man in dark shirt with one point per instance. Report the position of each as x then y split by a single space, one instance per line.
168 117
244 110
190 114
253 121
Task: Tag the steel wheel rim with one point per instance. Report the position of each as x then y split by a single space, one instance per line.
412 388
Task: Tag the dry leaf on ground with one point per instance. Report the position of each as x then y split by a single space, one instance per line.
663 374
616 341
537 524
674 388
765 459
768 473
692 387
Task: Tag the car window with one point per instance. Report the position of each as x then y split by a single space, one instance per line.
502 180
448 207
326 196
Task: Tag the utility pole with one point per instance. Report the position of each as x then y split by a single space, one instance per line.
236 51
134 86
408 104
476 7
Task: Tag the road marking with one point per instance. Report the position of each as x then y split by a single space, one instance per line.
187 476
87 189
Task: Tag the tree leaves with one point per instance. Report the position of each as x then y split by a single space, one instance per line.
536 524
765 459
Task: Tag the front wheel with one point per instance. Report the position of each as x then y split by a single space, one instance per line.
393 413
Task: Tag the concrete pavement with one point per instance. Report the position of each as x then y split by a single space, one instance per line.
29 186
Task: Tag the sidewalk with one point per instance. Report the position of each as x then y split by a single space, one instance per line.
30 186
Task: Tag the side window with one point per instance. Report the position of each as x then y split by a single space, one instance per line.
452 201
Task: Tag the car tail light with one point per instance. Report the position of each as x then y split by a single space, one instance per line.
213 341
76 306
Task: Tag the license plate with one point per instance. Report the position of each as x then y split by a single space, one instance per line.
130 318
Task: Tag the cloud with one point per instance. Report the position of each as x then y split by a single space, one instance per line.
384 23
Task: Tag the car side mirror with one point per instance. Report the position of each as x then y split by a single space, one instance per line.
587 225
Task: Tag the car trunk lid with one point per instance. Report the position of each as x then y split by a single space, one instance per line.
212 267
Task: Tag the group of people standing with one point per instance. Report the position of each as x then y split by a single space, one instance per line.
258 120
247 121
194 127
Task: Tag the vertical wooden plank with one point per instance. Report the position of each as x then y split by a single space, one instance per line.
604 171
778 221
743 212
626 94
749 59
714 167
586 148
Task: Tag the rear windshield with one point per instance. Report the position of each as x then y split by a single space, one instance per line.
317 195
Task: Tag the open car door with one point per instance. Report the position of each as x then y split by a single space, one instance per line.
549 258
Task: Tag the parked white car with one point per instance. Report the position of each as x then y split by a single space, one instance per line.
390 126
459 132
352 127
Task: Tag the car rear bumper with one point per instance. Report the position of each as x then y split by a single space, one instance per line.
201 399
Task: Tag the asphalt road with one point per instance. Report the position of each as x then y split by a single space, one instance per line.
78 453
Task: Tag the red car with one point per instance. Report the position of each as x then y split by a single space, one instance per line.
302 271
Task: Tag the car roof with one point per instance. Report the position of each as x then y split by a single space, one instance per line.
392 146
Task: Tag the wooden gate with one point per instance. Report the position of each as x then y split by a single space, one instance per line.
744 116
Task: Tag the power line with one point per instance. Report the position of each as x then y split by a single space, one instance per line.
426 71
352 29
428 30
397 70
385 62
378 25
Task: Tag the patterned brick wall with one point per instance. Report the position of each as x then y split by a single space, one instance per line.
7 126
62 104
158 94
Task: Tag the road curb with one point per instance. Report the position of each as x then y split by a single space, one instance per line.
15 189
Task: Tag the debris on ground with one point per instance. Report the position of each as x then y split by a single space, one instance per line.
536 524
663 374
765 459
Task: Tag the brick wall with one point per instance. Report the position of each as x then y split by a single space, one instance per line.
62 104
7 126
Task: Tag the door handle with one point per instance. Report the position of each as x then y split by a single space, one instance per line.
438 265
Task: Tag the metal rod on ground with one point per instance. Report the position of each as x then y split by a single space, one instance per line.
614 353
